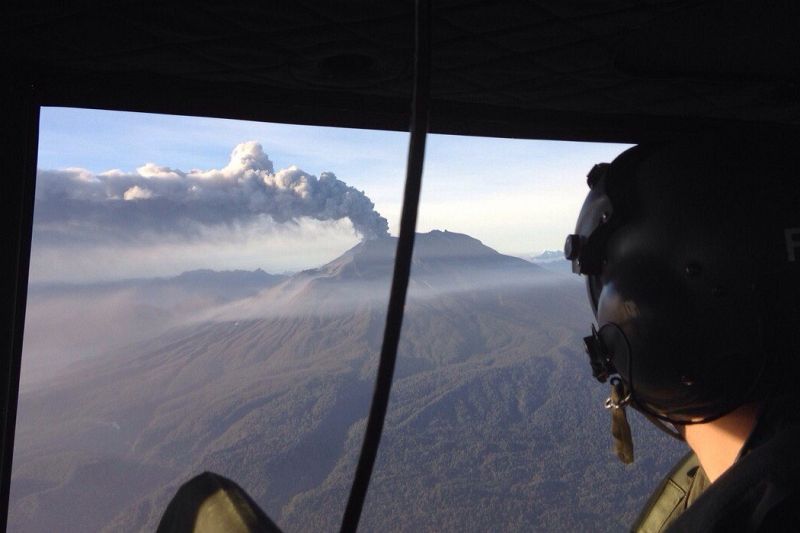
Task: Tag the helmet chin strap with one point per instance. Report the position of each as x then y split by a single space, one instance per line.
666 427
620 428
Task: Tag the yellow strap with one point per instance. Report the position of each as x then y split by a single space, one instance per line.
620 429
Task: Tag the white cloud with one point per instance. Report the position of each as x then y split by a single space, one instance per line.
137 193
151 170
113 173
78 174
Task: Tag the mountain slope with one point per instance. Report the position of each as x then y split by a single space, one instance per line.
494 421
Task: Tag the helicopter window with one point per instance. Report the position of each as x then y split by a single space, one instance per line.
210 294
192 306
495 422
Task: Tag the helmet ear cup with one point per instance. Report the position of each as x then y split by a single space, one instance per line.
641 328
676 365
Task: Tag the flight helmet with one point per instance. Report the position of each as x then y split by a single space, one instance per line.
691 254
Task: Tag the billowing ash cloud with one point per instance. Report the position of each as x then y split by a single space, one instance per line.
77 205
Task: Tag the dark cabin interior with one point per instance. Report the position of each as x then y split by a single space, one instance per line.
608 70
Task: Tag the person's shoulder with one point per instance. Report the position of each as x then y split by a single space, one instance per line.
761 492
784 516
670 498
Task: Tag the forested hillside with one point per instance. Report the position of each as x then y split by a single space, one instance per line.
495 422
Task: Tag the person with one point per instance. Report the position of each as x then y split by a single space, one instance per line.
691 254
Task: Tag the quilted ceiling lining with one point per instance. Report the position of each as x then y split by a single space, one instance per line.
550 55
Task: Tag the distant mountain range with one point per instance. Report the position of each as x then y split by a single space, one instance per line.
495 422
549 256
551 260
201 280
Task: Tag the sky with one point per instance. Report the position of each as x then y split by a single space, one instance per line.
124 195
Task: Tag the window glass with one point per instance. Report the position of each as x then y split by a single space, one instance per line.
198 301
210 295
495 421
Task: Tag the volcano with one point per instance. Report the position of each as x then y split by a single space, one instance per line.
494 423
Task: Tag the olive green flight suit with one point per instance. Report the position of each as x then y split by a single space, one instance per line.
679 489
210 503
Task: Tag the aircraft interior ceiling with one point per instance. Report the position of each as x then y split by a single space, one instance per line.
611 70
607 70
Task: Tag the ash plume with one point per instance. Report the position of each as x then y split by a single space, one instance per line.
77 205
